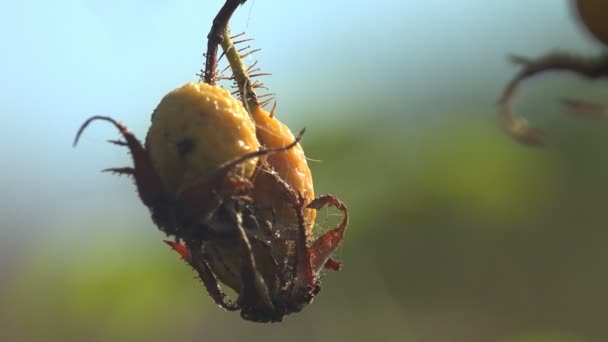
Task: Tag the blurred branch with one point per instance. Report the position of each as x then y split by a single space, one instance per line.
590 68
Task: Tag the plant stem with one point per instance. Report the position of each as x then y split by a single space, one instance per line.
239 70
216 36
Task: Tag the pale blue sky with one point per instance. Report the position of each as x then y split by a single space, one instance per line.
63 61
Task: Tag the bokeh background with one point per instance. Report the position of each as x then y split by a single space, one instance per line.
458 232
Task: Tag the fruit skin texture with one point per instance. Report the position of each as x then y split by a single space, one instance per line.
594 14
195 129
290 165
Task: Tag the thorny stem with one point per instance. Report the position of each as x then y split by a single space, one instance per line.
590 68
239 70
216 36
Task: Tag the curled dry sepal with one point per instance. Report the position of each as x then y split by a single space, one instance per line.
230 184
594 16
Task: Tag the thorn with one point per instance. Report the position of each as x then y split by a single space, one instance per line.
251 66
244 48
274 108
221 56
258 85
265 103
118 142
242 40
121 170
225 69
237 35
260 74
250 53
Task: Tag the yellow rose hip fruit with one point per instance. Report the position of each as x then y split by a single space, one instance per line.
195 129
290 165
594 14
292 168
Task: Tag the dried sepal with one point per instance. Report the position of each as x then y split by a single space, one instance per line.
148 182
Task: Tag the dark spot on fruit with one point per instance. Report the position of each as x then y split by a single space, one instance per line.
184 147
